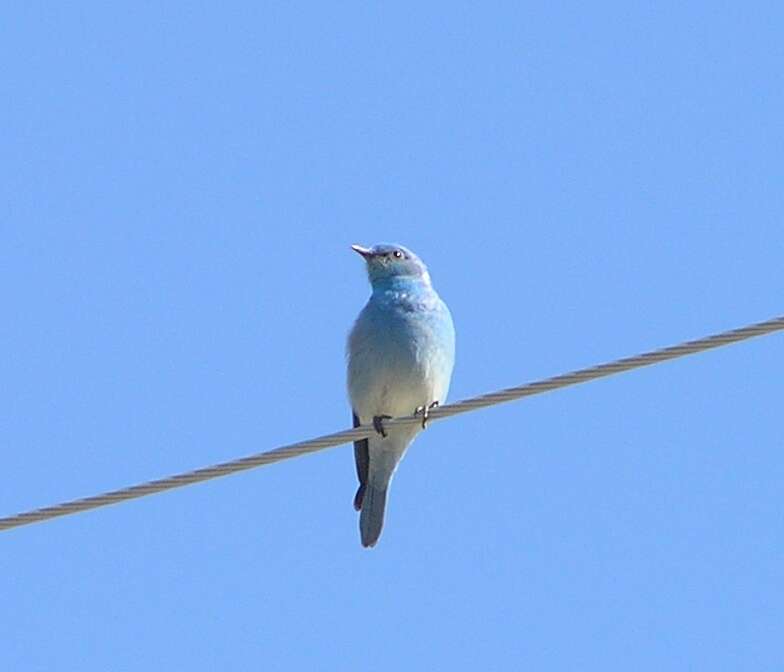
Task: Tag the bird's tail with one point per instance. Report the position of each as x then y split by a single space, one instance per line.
384 457
371 519
374 500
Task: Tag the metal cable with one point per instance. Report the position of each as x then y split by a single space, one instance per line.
329 440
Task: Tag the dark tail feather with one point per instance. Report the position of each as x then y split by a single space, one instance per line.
359 497
362 459
371 520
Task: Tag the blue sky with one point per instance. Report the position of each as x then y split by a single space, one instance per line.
179 188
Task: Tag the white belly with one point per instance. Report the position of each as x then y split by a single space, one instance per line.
390 391
399 360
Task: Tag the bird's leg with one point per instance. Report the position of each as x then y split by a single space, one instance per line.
378 425
424 411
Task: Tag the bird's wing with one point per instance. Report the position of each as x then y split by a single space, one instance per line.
362 458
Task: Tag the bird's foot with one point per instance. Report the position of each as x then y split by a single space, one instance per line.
424 411
378 425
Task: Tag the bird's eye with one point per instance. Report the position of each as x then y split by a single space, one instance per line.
398 254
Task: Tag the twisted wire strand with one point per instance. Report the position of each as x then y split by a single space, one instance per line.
330 440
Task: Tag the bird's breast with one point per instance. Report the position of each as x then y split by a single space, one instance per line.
399 359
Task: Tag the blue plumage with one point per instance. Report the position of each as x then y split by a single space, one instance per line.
401 352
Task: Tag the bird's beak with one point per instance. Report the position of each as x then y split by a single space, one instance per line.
364 251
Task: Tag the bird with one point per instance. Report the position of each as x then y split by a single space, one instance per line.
400 354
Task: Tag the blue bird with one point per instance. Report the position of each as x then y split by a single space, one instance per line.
400 351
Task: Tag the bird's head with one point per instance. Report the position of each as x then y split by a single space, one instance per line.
386 262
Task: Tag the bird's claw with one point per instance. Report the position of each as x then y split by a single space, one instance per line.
424 411
378 425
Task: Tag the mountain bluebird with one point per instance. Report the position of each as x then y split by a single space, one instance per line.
401 351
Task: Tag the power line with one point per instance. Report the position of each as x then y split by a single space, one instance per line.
329 440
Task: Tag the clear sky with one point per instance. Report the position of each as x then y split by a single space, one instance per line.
179 187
